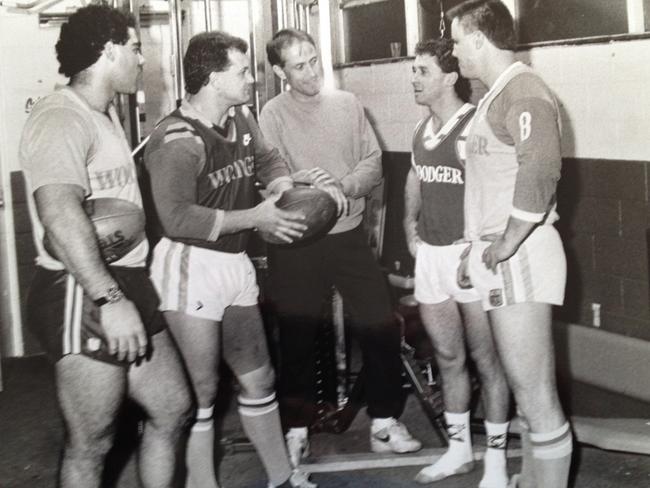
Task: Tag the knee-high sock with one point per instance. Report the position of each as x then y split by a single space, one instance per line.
261 421
552 456
494 462
200 452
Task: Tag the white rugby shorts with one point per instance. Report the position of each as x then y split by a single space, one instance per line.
202 282
435 275
536 273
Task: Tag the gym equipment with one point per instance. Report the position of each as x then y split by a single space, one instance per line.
316 205
119 225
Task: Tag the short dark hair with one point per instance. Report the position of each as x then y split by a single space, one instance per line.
441 49
491 17
282 39
84 35
206 53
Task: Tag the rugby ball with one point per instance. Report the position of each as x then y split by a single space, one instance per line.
119 226
318 207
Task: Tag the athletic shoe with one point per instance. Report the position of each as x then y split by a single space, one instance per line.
297 445
434 473
298 479
394 437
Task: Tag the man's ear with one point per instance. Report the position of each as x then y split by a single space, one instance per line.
279 72
109 50
479 39
451 78
212 79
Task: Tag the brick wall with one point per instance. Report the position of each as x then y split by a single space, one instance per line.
604 210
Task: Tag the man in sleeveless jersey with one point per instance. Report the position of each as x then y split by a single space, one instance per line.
433 225
99 322
313 126
203 161
516 260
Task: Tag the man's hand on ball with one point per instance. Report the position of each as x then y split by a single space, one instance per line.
323 180
283 224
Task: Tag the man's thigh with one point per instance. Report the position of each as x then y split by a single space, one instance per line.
443 323
524 341
90 394
359 279
159 383
298 284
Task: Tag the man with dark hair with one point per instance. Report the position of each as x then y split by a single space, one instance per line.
433 225
204 159
313 126
516 260
100 323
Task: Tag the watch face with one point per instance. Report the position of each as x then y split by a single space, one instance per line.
113 294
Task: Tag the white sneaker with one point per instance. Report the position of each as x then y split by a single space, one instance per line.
297 445
298 479
393 437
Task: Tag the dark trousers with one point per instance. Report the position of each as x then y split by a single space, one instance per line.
300 280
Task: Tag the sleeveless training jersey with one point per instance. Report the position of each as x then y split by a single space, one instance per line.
439 164
227 180
513 155
65 141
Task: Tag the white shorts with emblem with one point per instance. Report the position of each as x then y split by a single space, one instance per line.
202 282
435 275
536 273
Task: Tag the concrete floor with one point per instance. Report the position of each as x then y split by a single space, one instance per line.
31 436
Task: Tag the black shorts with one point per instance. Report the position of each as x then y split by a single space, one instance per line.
66 321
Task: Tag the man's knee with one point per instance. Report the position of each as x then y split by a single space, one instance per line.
258 383
450 359
90 445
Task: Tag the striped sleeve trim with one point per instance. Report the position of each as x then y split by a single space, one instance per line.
527 216
181 130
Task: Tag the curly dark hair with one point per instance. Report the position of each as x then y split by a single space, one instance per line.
84 35
491 17
441 49
206 53
282 39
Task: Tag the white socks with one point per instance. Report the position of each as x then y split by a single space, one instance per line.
200 452
494 462
459 458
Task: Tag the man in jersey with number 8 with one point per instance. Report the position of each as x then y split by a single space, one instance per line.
515 261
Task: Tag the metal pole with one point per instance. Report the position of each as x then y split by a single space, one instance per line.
175 27
207 4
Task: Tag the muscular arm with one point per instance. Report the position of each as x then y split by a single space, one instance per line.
412 204
72 236
73 239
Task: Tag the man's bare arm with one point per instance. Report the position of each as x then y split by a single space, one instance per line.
72 237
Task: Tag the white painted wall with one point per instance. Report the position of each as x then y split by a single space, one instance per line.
29 71
604 91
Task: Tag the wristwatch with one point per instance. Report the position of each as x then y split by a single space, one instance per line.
113 295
